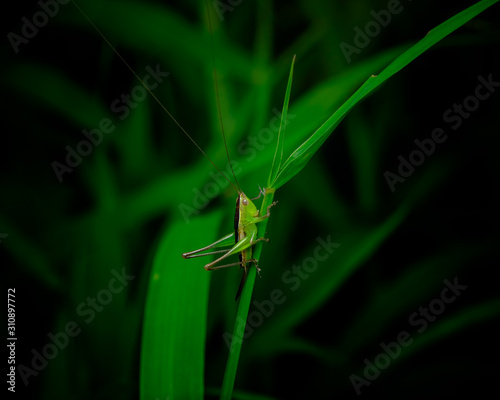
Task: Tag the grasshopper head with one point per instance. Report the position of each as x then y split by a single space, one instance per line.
247 206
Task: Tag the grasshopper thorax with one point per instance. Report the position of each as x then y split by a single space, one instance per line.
245 211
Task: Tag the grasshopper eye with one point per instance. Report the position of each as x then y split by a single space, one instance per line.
245 202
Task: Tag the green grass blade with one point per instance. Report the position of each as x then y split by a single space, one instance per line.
300 157
236 340
173 341
276 165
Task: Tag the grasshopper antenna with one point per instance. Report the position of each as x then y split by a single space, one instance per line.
237 188
217 94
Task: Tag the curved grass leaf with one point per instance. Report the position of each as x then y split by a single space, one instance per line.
173 339
300 157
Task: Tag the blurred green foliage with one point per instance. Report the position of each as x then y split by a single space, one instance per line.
144 195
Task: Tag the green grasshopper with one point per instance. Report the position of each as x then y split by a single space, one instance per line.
246 216
245 233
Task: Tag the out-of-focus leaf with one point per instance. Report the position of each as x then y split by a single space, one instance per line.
173 339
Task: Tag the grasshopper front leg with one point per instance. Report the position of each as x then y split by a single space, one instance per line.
268 213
